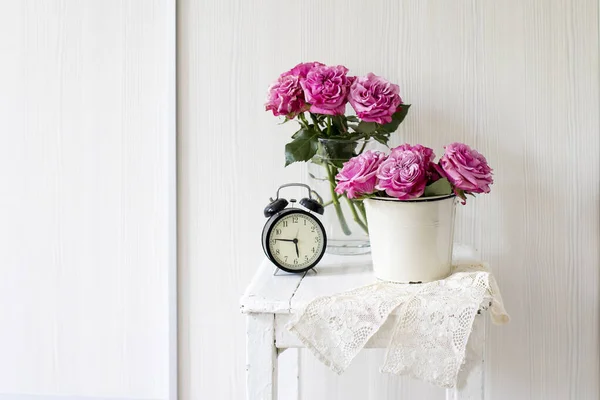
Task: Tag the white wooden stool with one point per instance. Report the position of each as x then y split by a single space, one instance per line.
271 298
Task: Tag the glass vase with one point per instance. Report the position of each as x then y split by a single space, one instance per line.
345 220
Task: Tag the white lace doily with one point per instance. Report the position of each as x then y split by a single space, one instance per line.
433 323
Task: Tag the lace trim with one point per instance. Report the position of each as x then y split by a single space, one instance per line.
429 339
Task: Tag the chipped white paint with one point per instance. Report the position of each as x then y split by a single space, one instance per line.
267 317
261 357
278 290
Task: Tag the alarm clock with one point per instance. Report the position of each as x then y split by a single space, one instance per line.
293 238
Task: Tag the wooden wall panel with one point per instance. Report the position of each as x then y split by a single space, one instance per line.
87 189
516 79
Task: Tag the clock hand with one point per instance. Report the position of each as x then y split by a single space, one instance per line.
296 244
286 240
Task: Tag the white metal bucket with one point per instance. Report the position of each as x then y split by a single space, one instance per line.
411 240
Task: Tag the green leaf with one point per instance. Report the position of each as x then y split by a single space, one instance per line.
397 119
461 194
355 136
352 118
338 151
367 127
337 164
340 124
297 133
381 139
318 119
302 148
438 188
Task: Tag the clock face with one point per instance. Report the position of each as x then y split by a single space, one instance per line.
296 241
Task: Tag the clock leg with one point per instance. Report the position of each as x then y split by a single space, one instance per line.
261 357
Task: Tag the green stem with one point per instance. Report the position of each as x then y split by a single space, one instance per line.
331 201
303 120
361 207
363 147
315 121
328 125
356 217
336 202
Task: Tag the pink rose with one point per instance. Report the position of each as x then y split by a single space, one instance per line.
403 176
374 99
466 169
301 70
326 89
285 97
425 152
428 157
357 176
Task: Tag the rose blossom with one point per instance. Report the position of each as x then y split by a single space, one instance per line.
404 175
428 157
326 89
426 152
466 169
301 70
374 99
285 97
357 176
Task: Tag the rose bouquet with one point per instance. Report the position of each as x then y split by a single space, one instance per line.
316 96
409 172
410 200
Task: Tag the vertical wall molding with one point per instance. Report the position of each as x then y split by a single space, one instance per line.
88 200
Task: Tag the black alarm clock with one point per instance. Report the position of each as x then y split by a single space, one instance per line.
293 238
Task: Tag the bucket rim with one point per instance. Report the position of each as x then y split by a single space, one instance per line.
417 200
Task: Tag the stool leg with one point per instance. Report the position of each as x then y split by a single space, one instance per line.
288 363
261 357
471 379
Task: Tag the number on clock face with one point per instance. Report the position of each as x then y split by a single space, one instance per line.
296 241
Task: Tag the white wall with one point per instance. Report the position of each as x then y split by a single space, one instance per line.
516 79
87 207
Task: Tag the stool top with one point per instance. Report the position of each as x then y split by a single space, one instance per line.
284 293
